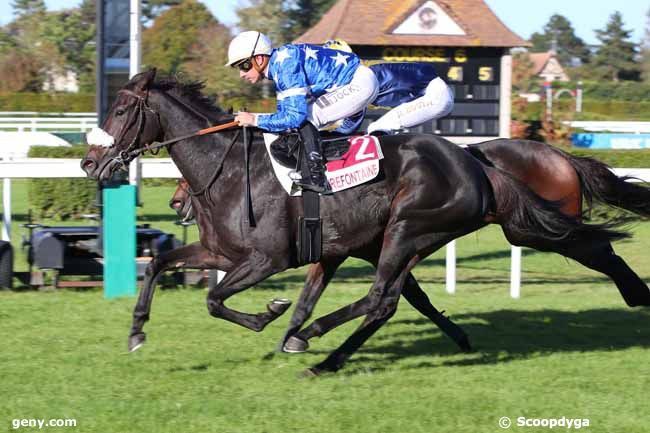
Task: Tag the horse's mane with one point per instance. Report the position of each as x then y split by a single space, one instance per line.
192 92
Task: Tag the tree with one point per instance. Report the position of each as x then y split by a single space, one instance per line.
20 72
266 16
166 44
568 45
72 32
523 79
615 58
645 51
25 55
208 57
299 21
28 7
151 9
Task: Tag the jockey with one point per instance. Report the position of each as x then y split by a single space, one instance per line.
414 91
315 86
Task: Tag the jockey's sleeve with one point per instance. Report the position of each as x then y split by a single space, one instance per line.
292 91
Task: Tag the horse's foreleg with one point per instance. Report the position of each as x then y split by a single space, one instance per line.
189 256
415 296
241 277
318 276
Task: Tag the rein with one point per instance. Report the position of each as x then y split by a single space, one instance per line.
129 154
219 166
157 145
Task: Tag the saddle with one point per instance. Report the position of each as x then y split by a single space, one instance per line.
352 160
286 148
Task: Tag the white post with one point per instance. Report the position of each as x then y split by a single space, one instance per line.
6 210
450 279
505 97
515 272
579 97
135 61
549 102
504 132
135 57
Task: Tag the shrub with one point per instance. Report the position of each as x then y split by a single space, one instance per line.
61 198
47 102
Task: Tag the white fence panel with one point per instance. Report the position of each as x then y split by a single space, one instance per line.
165 168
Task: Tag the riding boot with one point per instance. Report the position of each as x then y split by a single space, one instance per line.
314 179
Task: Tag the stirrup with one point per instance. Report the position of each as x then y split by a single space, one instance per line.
321 189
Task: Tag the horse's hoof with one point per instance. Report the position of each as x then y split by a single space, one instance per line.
295 345
278 306
269 356
309 373
136 341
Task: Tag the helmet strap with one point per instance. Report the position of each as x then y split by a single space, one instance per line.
260 68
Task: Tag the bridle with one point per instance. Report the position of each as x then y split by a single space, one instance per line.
134 149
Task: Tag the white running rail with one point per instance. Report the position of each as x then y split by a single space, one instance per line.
165 168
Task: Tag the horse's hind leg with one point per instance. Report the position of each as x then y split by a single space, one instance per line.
599 256
395 264
318 276
602 258
415 296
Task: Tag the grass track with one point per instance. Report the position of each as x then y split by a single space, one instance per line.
569 347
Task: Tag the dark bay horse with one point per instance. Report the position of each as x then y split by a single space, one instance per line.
575 182
429 193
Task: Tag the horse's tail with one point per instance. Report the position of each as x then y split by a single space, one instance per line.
600 184
525 215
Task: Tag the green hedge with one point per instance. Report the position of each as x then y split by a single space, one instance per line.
48 102
61 198
592 109
621 158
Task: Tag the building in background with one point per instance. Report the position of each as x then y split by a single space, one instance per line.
469 45
547 67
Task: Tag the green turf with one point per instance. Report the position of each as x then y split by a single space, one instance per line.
568 348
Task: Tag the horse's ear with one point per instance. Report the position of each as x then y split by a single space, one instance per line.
230 110
144 79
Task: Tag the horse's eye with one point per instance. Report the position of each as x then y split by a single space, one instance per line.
119 112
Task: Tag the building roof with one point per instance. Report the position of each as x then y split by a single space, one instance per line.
374 22
539 60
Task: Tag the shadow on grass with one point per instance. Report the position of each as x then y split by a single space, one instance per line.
507 335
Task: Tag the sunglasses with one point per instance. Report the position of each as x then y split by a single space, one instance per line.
244 65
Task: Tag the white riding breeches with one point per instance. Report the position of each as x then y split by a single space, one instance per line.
346 100
437 101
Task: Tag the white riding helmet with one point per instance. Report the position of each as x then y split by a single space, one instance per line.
246 45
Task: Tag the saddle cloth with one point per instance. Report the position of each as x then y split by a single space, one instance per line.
357 166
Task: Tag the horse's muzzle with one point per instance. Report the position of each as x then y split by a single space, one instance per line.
89 166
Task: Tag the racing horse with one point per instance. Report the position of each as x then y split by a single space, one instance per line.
577 183
429 192
318 275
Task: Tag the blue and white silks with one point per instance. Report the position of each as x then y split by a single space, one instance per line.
302 73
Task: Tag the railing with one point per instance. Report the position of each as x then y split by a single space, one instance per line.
611 126
165 168
49 124
31 121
